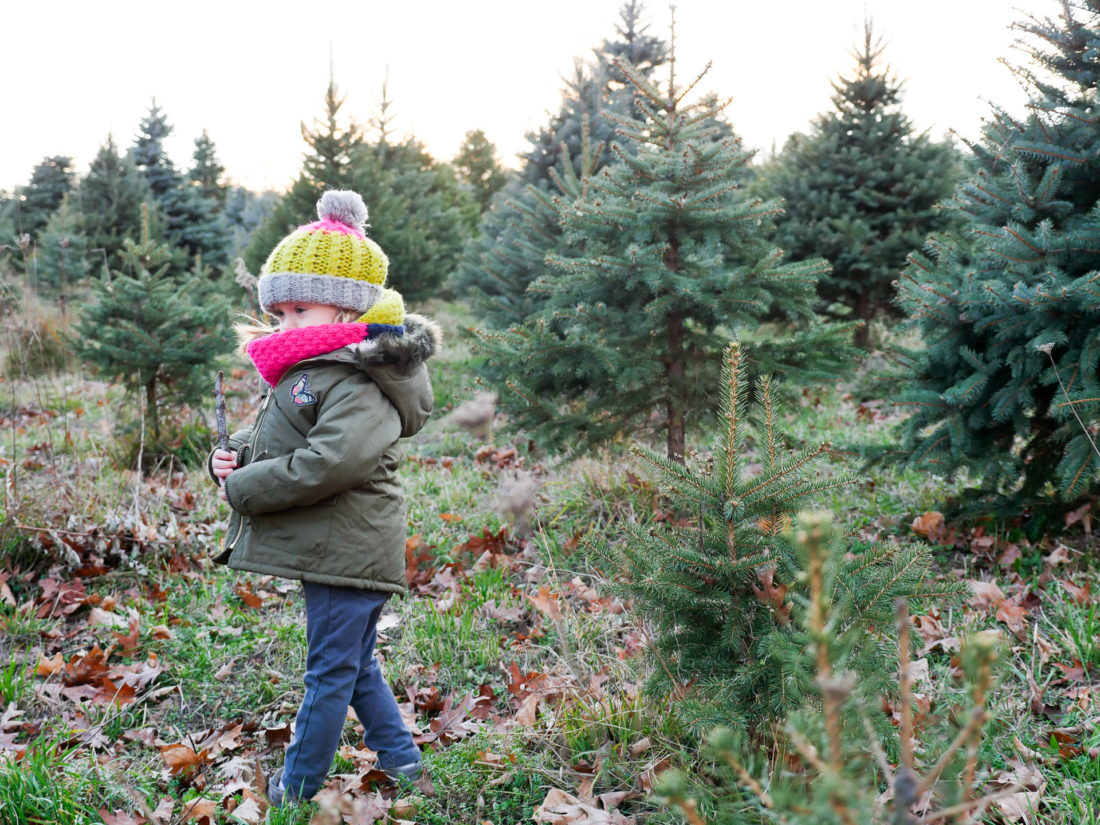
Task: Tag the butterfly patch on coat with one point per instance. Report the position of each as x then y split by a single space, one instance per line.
300 394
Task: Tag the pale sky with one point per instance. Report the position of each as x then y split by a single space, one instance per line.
249 72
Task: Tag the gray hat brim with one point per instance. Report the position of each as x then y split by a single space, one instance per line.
330 290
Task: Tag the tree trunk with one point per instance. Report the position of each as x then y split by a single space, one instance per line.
674 373
674 367
151 406
863 333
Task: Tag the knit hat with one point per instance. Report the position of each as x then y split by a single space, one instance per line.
332 262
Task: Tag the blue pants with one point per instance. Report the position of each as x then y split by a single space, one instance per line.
341 670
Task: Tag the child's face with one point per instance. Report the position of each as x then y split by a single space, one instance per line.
293 315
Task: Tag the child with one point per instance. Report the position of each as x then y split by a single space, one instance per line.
312 483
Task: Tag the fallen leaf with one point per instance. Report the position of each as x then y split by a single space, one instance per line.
931 526
1017 806
248 596
121 818
527 715
99 617
48 667
547 603
128 642
1081 514
248 812
198 809
1079 594
985 594
1013 615
772 595
181 759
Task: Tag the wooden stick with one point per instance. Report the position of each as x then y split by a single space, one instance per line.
219 413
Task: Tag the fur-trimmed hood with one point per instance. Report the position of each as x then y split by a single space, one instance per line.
396 363
421 339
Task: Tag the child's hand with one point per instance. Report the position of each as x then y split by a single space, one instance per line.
223 463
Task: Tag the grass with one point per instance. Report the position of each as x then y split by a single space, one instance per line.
227 663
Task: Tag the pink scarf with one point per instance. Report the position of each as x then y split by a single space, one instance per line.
275 354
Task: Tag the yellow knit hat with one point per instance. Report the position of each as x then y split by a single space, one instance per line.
331 262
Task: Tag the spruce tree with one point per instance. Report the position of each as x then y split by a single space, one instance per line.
419 214
597 94
327 165
861 190
192 225
718 595
509 251
109 202
514 236
63 257
206 172
33 203
154 329
477 165
665 261
1007 384
826 767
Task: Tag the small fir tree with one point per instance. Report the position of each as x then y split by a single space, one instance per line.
109 202
207 172
666 259
718 595
861 190
155 330
1008 383
840 770
63 259
479 168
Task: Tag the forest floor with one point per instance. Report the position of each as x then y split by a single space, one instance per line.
141 683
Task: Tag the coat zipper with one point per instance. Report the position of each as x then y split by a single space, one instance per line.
250 446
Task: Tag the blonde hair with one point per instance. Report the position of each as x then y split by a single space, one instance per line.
248 329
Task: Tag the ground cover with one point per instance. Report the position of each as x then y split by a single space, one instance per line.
141 683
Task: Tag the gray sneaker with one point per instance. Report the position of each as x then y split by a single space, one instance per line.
276 794
410 771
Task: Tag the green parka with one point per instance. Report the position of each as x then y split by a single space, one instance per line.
315 495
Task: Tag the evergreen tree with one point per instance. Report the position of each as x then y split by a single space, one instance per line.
419 214
718 594
1008 383
478 167
31 207
206 172
63 258
826 768
666 260
109 202
245 211
192 224
597 94
509 251
154 329
327 165
861 190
